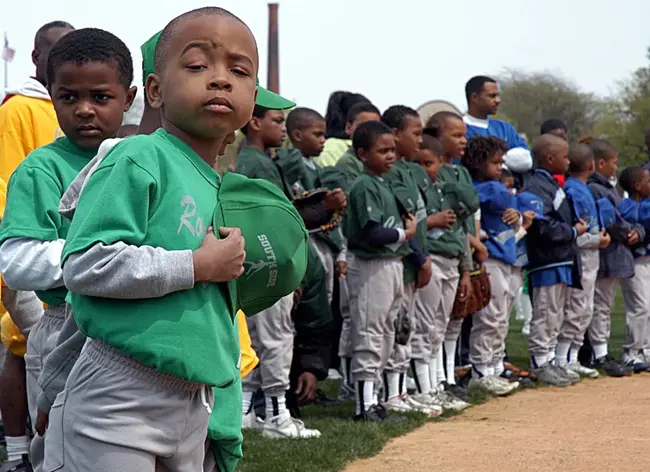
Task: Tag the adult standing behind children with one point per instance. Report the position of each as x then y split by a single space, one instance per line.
483 100
27 121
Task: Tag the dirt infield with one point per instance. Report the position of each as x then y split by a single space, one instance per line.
600 424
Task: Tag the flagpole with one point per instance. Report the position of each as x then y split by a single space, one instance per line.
6 66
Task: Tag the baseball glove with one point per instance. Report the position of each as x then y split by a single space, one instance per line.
478 299
403 328
312 209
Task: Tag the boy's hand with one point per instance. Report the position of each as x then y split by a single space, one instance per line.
42 422
297 296
464 286
342 268
480 251
220 260
633 238
409 226
424 274
444 219
528 218
510 217
335 200
307 388
581 227
605 239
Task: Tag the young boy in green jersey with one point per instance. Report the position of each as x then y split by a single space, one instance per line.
377 242
139 260
89 77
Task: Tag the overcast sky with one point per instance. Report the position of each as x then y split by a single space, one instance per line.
405 51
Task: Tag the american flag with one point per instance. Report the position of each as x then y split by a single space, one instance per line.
7 52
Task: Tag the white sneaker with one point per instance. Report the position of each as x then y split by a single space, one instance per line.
410 384
252 422
284 426
582 371
399 405
431 401
492 384
525 329
333 374
451 402
430 410
514 385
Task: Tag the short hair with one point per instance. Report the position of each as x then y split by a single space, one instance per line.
437 121
42 31
551 125
361 107
338 106
429 143
395 116
166 34
601 148
579 156
479 150
367 133
475 85
91 45
258 112
629 177
301 118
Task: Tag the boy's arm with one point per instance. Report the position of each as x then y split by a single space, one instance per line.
30 264
104 254
24 308
552 230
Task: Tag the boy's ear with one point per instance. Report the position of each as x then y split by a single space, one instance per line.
254 124
296 136
362 154
348 129
130 96
154 93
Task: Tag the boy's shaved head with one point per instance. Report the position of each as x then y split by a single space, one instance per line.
547 145
301 118
580 155
168 31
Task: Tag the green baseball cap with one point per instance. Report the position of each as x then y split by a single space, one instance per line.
265 98
276 240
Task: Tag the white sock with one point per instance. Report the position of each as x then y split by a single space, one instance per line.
573 354
450 350
562 352
391 385
480 370
344 370
539 361
433 373
275 406
17 446
422 375
498 367
441 366
551 357
403 390
600 350
365 394
247 401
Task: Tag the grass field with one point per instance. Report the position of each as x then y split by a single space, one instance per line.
343 440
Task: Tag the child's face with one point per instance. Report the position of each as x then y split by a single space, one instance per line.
608 167
90 101
272 129
380 158
643 186
430 162
310 140
361 118
559 160
408 140
206 87
508 181
493 167
453 137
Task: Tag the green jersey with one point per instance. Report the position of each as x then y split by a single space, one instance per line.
350 165
371 200
255 164
444 242
408 193
156 191
459 174
35 189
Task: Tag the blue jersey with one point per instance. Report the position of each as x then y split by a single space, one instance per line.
495 200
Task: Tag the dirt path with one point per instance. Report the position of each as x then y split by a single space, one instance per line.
601 425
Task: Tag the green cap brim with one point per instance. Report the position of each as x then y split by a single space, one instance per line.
265 98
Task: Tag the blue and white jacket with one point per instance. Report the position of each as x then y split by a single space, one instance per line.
638 213
584 207
495 199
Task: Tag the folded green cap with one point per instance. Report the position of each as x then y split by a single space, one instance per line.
265 98
276 240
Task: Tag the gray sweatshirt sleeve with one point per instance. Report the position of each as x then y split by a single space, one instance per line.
588 241
59 362
467 263
128 272
24 308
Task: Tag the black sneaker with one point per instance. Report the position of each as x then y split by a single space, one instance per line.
457 390
377 414
611 366
22 465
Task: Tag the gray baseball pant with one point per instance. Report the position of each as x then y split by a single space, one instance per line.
601 322
272 334
117 414
636 298
376 297
345 347
548 314
579 308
